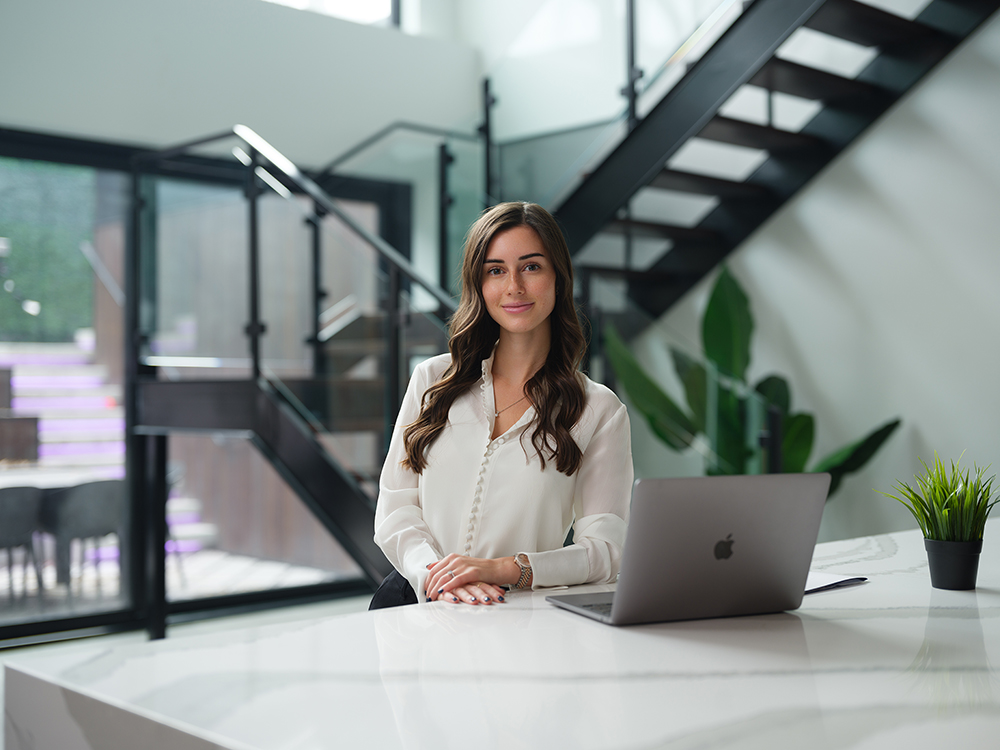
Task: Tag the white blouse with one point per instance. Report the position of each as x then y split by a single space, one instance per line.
490 498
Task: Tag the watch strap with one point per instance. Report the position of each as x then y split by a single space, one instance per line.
525 565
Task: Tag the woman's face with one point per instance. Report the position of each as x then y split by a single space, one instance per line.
519 280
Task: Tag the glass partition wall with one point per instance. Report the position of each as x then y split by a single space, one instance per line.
222 393
65 522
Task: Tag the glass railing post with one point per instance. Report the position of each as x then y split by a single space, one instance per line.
592 352
445 199
156 535
633 73
254 328
393 354
318 293
486 130
775 437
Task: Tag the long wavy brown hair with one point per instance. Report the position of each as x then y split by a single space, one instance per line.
556 390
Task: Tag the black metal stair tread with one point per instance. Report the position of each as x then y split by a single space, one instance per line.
871 27
751 135
654 230
689 182
809 83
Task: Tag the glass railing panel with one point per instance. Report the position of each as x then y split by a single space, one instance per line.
286 285
234 526
671 35
560 108
423 335
713 422
195 273
545 168
416 158
342 392
466 185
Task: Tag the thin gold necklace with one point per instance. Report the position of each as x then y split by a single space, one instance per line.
498 413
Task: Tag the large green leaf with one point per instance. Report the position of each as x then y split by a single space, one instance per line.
851 458
727 326
775 389
796 442
667 420
692 375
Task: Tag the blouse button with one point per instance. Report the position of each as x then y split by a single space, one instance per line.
468 538
500 441
472 527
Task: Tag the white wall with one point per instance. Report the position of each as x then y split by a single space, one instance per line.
159 72
875 291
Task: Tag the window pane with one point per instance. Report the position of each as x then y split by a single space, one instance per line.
63 509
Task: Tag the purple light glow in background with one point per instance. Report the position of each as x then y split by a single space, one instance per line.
37 403
81 449
9 360
80 425
55 381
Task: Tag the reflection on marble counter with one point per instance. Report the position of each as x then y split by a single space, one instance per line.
887 662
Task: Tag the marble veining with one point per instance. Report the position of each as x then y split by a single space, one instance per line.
887 662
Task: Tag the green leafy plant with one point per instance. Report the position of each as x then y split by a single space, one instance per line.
950 506
720 401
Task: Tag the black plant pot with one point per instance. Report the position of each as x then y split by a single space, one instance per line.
953 565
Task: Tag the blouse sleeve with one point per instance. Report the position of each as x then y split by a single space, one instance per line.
601 500
400 530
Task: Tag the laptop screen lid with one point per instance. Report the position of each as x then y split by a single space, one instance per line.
702 547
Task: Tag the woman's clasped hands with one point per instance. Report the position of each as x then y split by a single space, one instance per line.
471 580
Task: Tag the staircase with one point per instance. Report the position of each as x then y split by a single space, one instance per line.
763 55
81 421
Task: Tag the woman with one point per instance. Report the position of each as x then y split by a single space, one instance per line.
502 445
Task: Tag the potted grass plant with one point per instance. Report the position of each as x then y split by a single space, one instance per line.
951 506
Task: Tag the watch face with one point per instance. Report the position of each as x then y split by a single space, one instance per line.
522 560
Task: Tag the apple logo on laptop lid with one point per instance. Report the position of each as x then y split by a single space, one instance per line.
724 548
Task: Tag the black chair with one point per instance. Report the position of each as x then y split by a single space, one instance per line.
20 509
86 511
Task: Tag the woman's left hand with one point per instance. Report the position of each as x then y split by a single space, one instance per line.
473 593
479 579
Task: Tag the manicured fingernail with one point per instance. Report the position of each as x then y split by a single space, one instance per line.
499 598
454 598
486 598
474 599
428 598
440 591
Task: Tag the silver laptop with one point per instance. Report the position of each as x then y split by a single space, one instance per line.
712 547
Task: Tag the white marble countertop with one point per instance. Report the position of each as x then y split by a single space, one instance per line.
885 663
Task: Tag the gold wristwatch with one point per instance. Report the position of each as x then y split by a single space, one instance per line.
525 565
